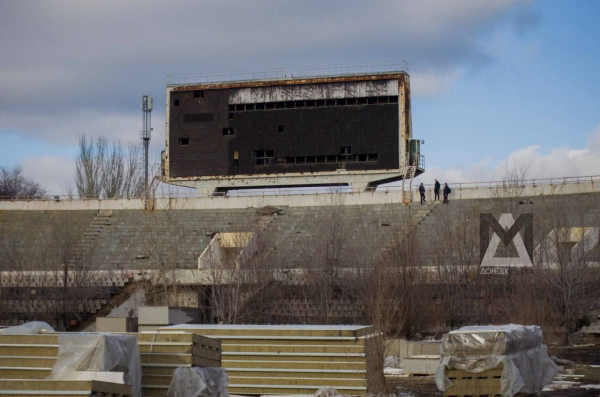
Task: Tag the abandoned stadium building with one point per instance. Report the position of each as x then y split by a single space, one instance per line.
67 262
364 256
351 129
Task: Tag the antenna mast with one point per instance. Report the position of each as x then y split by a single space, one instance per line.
147 104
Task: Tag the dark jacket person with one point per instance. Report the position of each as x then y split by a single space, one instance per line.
436 190
447 191
422 191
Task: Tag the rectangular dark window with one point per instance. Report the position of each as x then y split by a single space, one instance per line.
348 157
230 116
184 141
362 101
176 103
228 131
197 117
198 94
280 129
263 157
236 162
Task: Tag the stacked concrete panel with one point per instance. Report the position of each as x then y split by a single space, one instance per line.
33 356
152 317
116 324
59 388
296 359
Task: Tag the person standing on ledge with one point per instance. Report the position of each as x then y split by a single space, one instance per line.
436 190
422 192
447 191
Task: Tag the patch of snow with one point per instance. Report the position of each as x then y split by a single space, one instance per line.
587 387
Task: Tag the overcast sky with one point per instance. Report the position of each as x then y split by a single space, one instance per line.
492 80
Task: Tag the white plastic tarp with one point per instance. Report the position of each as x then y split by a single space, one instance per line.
199 382
490 340
526 365
99 352
31 328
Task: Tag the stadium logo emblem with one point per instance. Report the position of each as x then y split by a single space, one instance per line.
505 230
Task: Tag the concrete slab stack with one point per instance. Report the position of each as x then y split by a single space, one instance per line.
58 388
296 359
116 324
33 356
152 317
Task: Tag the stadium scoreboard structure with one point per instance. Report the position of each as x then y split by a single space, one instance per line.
288 131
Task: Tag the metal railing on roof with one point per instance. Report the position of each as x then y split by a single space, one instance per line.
285 74
192 193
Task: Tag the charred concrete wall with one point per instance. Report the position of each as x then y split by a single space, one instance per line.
284 129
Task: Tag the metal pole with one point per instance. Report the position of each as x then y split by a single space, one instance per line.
147 103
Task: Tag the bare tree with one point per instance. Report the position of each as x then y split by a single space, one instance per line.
108 171
513 181
455 260
14 184
562 262
245 287
53 283
325 261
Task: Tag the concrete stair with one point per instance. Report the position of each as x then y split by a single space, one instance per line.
418 215
86 243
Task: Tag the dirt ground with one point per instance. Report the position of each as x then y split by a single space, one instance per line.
584 359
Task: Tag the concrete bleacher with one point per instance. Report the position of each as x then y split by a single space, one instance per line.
32 240
115 244
462 216
142 240
298 233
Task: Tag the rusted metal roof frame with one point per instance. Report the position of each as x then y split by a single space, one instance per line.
290 81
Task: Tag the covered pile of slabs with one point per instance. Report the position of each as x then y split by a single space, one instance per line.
296 359
162 352
58 388
33 356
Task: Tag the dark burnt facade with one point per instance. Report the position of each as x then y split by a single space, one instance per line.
288 127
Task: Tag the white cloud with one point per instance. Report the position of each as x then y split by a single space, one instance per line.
52 172
423 84
557 163
64 127
88 55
